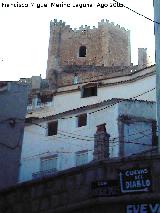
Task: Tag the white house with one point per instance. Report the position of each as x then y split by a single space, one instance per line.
60 134
138 83
60 141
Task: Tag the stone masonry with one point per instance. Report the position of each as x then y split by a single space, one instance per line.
70 190
107 45
101 143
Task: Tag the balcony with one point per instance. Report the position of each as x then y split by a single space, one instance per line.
44 173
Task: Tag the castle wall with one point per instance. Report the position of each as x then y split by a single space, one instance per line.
119 47
107 45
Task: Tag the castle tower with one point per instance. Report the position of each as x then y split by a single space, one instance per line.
107 45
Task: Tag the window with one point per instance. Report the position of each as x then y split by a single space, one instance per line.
82 120
89 90
49 163
48 167
52 128
46 98
82 51
81 157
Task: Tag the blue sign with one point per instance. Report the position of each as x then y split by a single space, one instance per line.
135 180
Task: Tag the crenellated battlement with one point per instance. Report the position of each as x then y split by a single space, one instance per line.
107 23
57 23
104 23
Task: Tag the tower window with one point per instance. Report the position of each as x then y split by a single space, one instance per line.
82 51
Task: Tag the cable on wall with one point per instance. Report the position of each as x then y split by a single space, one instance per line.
137 13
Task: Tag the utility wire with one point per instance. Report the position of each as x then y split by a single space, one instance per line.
97 111
60 137
137 13
72 117
82 139
113 142
71 133
135 139
136 133
18 143
62 133
121 100
111 145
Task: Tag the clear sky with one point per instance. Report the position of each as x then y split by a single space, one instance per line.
24 31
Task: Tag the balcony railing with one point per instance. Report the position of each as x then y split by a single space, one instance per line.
45 173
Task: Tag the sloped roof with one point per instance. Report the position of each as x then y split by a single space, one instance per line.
112 78
48 112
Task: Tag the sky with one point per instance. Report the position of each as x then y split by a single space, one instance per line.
25 31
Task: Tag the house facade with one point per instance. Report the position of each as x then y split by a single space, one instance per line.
53 143
139 84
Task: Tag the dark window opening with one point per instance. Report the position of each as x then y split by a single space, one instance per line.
52 128
82 51
46 98
89 91
82 120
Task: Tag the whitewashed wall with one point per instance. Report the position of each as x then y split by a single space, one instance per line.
72 100
36 143
139 133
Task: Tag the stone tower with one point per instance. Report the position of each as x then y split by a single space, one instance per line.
107 45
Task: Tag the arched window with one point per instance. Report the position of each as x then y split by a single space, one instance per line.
82 51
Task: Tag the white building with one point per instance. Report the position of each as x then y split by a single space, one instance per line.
65 140
60 135
116 85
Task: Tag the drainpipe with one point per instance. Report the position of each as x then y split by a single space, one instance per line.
156 4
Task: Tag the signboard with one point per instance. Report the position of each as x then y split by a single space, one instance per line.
143 208
105 188
135 180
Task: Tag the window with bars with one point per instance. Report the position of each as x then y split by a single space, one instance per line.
49 163
48 167
81 157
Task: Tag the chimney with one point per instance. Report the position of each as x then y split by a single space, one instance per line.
101 143
142 57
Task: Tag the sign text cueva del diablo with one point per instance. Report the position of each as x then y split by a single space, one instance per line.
135 180
143 208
